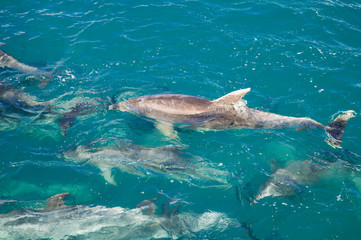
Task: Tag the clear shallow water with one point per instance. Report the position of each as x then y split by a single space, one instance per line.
299 58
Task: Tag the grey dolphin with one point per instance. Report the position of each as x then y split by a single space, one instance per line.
8 61
18 105
169 161
53 203
226 112
297 175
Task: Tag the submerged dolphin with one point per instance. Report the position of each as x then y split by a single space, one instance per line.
142 161
99 222
226 112
10 62
16 105
286 181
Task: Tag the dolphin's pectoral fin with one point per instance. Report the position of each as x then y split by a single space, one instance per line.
232 97
303 128
56 201
107 174
167 130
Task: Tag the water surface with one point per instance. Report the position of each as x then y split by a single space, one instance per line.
300 58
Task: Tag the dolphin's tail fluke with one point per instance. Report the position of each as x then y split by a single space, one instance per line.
44 77
336 128
69 118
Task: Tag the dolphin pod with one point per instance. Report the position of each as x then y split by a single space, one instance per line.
226 112
167 110
100 222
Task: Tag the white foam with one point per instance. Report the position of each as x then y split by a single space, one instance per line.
99 222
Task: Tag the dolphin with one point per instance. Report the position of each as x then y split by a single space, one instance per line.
168 161
53 203
20 106
61 221
296 176
10 62
16 105
225 112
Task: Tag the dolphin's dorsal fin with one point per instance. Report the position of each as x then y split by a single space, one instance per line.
171 148
146 202
233 97
149 206
56 201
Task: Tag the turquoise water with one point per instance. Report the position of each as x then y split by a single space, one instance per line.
300 58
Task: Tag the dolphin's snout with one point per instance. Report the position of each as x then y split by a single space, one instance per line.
113 106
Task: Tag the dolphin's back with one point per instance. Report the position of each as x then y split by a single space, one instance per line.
170 104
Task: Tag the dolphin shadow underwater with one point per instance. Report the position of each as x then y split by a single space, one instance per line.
226 112
59 221
17 106
168 161
10 62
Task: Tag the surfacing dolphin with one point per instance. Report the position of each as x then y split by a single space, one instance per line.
53 203
8 61
168 161
226 112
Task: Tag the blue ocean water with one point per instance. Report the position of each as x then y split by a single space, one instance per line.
300 58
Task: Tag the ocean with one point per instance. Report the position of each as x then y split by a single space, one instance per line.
300 59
